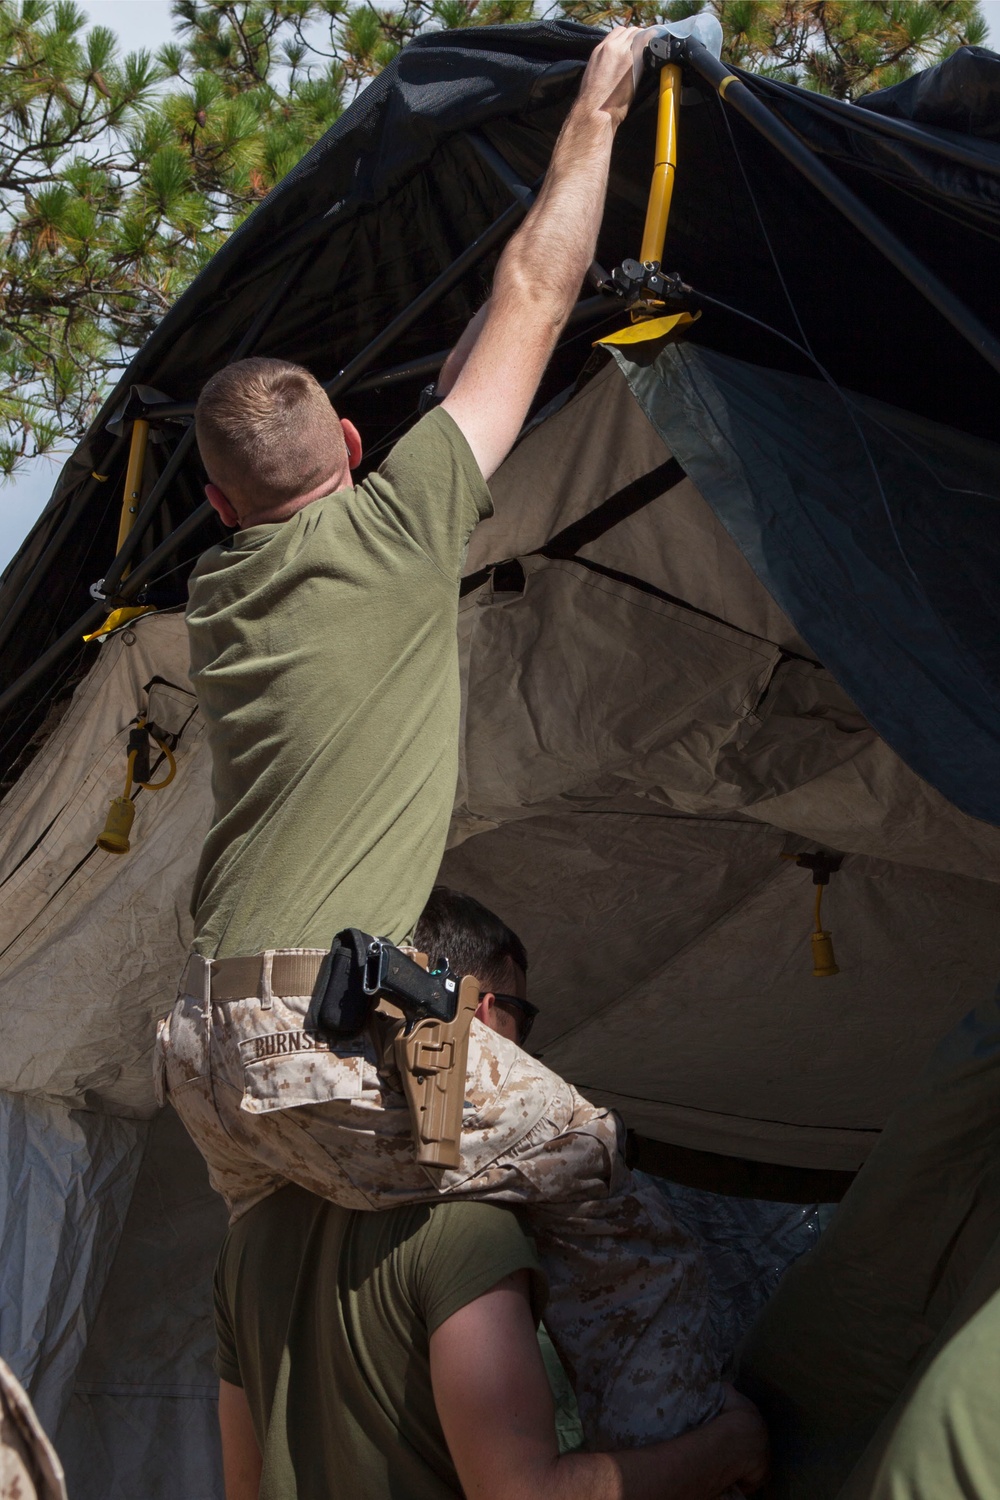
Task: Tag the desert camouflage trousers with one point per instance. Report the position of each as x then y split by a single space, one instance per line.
269 1103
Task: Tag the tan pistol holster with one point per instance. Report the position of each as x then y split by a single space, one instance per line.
432 1059
419 1021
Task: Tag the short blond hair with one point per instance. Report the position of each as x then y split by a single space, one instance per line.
267 433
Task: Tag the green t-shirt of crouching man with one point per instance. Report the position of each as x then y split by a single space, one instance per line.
325 1315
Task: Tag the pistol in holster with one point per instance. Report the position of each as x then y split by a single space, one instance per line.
362 975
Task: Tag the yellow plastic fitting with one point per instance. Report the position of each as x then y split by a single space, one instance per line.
824 963
118 826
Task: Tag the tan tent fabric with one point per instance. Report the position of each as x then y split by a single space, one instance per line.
671 959
92 943
631 771
595 446
910 1256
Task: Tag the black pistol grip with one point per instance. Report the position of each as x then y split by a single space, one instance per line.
418 994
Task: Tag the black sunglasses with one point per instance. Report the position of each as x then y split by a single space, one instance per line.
525 1013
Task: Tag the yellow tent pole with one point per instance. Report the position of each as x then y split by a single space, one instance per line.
662 186
130 509
133 481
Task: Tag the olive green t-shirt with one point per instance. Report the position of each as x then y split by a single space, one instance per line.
324 1316
947 1443
324 655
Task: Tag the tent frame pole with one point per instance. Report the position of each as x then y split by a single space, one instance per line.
438 288
661 188
734 93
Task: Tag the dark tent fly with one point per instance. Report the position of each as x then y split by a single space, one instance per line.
852 372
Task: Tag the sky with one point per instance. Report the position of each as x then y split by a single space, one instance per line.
146 23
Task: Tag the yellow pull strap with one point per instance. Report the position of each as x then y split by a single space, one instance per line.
119 617
824 963
823 865
114 837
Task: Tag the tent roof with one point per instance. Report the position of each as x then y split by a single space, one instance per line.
396 190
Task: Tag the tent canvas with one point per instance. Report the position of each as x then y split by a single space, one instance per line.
724 612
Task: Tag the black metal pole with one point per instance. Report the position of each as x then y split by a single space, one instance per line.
144 572
501 168
71 637
112 579
98 612
504 172
872 120
439 287
413 369
589 309
736 94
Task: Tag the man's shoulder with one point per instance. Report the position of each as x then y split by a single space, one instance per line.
432 479
456 1215
450 1253
436 432
416 1226
419 1238
209 561
443 1238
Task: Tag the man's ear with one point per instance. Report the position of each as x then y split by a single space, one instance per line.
352 438
221 505
485 1009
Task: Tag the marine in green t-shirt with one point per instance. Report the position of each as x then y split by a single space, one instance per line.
324 654
393 1356
325 1316
323 636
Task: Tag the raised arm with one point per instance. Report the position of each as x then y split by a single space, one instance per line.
495 1407
492 375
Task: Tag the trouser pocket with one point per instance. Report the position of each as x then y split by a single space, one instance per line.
279 1064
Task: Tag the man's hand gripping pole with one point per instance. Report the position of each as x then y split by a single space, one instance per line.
362 974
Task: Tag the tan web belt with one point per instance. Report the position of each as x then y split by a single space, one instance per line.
291 974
